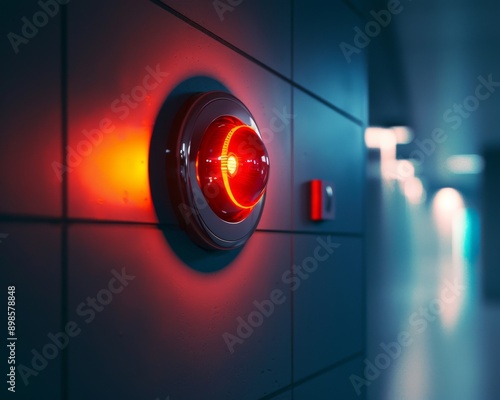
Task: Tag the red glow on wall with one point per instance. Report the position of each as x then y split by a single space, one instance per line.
232 168
115 173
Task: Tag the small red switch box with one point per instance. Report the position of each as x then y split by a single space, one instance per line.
322 200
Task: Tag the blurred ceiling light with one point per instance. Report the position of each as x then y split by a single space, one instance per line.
376 136
387 154
448 200
465 164
445 206
414 190
404 134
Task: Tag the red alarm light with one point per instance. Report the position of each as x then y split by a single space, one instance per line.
232 168
218 170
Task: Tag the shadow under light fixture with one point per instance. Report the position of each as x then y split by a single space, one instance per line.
220 171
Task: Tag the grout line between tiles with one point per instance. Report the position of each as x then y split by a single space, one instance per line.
64 189
237 50
314 375
29 219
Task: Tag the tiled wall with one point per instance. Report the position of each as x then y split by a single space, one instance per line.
76 209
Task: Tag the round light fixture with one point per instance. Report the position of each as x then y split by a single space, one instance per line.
222 170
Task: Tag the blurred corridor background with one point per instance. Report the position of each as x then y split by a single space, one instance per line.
433 218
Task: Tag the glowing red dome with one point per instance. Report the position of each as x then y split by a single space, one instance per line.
232 168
